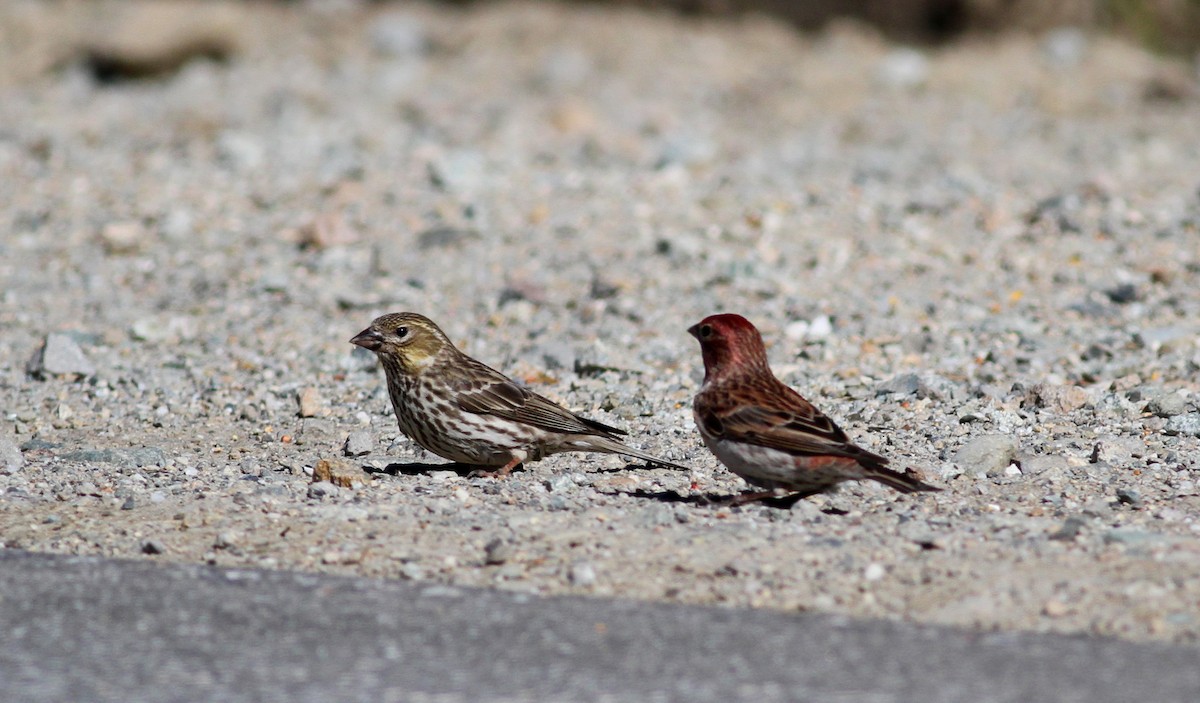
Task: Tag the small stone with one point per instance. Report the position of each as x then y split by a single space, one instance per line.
1054 608
123 237
820 327
129 503
874 572
1117 450
1063 399
153 546
1188 425
1167 405
1130 497
560 484
903 69
336 472
411 571
310 402
61 355
1123 294
988 454
1070 529
226 540
443 237
1163 339
327 229
582 574
497 551
11 458
358 443
321 490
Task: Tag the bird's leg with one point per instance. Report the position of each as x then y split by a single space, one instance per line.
501 472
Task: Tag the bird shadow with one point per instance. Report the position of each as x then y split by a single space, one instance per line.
717 500
420 469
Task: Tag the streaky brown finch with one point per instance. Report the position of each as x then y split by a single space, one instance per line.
467 412
767 433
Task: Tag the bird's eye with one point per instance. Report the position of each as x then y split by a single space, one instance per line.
705 331
401 332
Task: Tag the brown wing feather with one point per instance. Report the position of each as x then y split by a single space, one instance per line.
492 393
789 423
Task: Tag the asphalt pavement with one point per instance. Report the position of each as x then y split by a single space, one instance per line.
90 629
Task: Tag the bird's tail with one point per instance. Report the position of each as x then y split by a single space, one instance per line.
901 482
612 446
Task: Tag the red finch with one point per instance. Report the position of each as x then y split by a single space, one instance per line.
460 409
768 433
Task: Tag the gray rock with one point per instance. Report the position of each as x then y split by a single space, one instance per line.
903 69
582 574
1184 425
1070 529
989 454
1130 497
442 237
1117 450
358 443
1167 405
61 355
321 490
1164 338
497 551
1042 464
153 546
920 385
1063 399
11 458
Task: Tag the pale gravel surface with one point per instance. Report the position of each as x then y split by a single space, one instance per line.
982 260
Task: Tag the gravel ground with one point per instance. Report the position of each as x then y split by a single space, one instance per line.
980 259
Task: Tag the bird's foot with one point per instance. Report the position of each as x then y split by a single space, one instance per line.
501 472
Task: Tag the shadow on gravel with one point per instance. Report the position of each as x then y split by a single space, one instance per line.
419 469
713 500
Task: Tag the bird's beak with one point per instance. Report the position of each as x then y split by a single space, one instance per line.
694 330
368 339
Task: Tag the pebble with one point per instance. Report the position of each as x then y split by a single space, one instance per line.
1063 399
582 574
1188 425
1130 497
1117 450
321 490
359 443
11 458
123 237
153 546
1167 405
497 551
903 69
987 454
60 356
310 402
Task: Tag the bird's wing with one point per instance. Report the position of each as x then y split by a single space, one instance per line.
504 398
783 421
